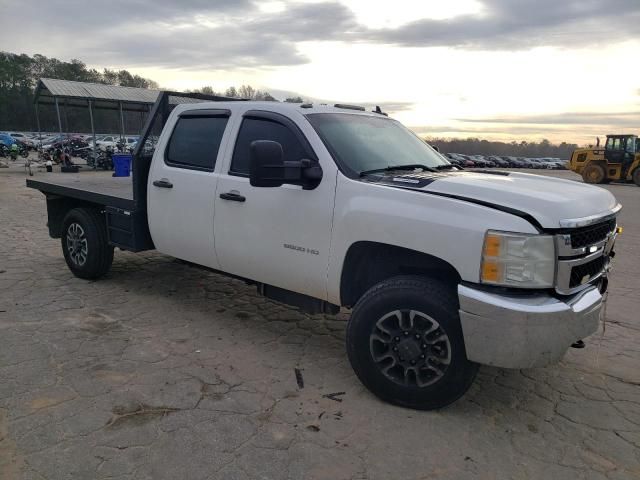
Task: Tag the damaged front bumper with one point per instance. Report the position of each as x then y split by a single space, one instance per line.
525 331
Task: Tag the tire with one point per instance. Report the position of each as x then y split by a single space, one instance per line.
90 257
593 174
381 354
636 176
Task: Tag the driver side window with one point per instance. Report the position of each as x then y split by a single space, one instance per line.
262 129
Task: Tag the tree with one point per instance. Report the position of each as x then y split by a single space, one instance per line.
231 92
247 91
19 74
294 100
109 77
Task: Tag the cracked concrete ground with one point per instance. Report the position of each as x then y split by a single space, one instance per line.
161 371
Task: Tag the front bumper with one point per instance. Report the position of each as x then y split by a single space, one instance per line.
525 331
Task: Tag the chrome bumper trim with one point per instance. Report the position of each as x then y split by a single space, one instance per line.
525 331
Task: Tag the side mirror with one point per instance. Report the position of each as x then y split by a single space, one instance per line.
267 167
266 164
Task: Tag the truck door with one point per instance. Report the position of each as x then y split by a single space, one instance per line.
278 236
182 185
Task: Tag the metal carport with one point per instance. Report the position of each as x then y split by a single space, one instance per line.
50 91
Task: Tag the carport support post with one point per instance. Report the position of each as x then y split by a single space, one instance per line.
58 113
93 130
66 118
121 121
38 124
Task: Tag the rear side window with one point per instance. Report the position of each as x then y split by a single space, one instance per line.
261 129
195 142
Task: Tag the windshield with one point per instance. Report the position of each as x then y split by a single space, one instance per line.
362 142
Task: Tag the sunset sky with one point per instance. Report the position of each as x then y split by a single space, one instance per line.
502 69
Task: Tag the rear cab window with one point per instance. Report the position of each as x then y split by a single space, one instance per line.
195 141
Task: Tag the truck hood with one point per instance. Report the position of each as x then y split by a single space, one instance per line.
550 201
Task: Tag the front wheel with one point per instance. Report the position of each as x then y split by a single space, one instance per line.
593 173
85 244
636 176
405 344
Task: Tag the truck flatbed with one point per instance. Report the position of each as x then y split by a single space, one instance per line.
96 187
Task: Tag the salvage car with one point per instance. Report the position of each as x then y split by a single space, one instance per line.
329 207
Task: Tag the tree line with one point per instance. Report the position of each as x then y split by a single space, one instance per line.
476 146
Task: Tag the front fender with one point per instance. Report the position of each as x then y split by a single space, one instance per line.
449 229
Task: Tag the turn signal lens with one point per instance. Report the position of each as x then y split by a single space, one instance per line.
492 245
490 271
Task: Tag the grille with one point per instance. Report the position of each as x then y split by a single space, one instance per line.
593 234
590 269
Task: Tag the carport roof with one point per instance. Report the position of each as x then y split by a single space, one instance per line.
111 97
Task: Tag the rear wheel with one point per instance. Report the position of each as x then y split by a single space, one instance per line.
593 174
636 176
85 244
404 342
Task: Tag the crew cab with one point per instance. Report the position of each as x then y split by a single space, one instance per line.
324 207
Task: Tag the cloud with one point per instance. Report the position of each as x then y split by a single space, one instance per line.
216 34
229 34
523 24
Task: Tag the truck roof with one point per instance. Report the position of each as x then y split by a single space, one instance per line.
279 107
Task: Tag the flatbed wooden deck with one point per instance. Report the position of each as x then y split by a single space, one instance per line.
95 187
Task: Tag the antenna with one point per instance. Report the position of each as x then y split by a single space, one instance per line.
379 111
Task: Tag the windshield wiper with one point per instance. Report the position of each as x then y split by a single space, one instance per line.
390 168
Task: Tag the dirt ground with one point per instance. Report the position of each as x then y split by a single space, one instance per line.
161 371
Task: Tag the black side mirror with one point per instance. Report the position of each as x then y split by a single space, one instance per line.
266 164
267 167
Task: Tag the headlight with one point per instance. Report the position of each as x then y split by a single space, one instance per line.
518 260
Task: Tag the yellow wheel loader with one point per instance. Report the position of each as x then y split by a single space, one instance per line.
619 160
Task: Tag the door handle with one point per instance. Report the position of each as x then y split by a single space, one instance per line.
234 197
164 183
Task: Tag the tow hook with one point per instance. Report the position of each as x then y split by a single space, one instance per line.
578 344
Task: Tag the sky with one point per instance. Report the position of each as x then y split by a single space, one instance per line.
565 70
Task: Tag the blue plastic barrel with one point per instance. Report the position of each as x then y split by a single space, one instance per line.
121 164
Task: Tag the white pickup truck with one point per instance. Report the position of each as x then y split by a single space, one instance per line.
325 207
